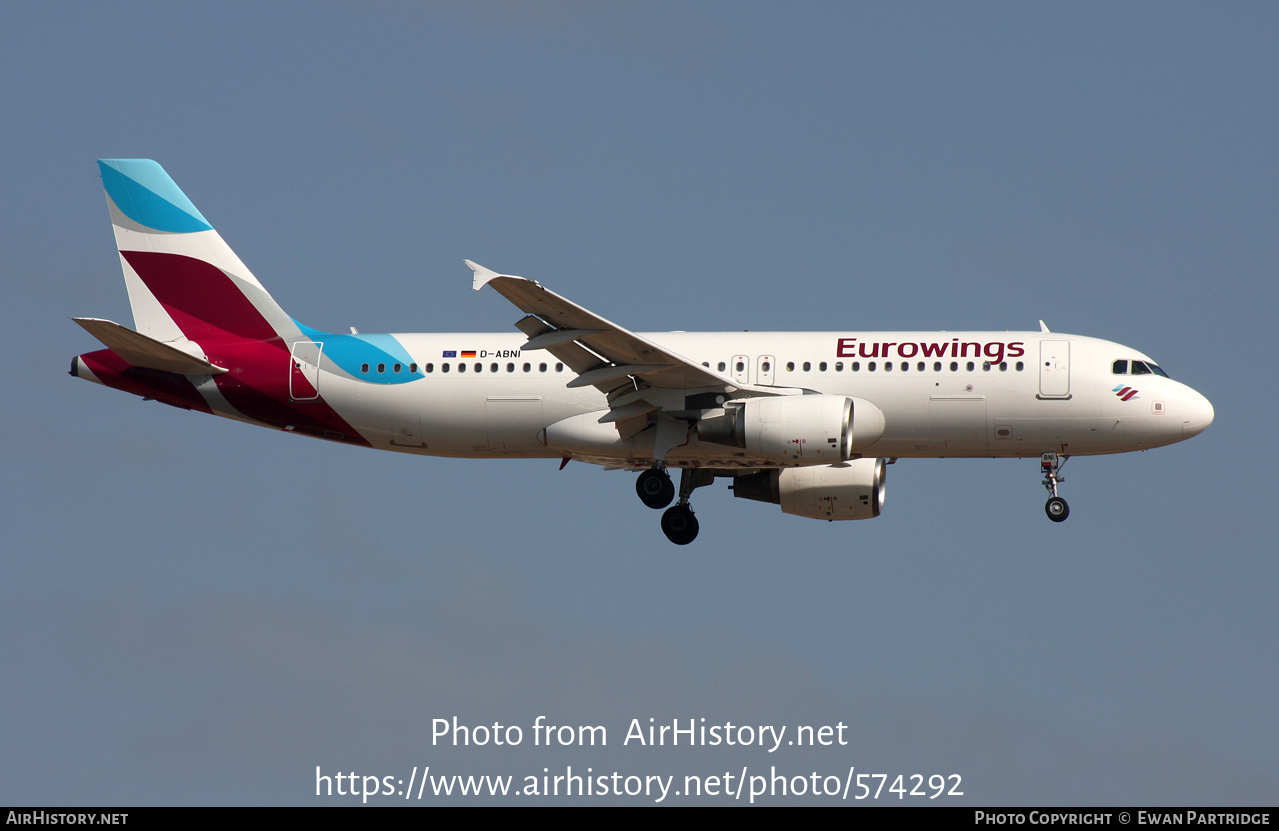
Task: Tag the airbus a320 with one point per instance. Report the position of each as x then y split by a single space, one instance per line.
805 420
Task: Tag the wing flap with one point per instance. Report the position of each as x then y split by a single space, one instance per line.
574 355
557 336
638 408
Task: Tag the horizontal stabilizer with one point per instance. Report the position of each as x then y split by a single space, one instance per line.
140 350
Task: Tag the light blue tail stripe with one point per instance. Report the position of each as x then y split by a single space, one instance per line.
352 352
145 193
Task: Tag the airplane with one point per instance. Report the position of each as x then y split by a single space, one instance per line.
808 421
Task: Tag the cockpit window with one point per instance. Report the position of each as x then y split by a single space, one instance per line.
1146 367
1138 368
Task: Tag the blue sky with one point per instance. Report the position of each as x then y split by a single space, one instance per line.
195 611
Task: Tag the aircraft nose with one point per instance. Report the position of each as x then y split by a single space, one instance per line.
1198 414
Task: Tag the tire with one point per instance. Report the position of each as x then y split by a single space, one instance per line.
655 489
1057 509
680 525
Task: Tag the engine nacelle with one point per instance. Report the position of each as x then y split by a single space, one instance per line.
797 430
851 490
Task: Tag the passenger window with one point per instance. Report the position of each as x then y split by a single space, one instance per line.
492 367
722 366
528 367
510 367
445 367
985 366
541 367
921 366
807 366
936 366
1119 367
971 366
855 366
430 367
790 366
381 368
1003 366
461 367
954 366
767 366
905 366
839 366
870 367
364 368
821 367
1020 366
740 366
413 367
559 367
395 368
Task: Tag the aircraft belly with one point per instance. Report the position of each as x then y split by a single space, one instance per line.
456 417
957 423
1072 436
513 422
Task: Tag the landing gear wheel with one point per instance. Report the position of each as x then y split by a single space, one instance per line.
655 488
679 525
1050 465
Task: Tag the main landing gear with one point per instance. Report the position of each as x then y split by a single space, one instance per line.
679 524
1056 508
656 490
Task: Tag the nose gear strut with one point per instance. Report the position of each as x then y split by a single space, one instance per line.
1050 465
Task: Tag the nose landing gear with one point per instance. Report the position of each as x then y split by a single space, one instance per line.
1050 465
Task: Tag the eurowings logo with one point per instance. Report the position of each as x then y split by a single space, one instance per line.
1125 393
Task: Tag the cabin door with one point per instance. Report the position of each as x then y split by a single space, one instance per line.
304 371
1054 369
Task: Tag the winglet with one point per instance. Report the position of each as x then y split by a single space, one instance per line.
482 275
1043 327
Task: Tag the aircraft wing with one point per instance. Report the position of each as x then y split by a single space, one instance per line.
618 354
638 376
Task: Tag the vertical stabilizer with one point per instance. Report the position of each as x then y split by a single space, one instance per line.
184 281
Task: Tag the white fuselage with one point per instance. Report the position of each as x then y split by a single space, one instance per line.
942 394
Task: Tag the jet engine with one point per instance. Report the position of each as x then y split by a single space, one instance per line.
797 430
851 490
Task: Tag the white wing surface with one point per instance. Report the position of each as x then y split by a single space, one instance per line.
638 376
